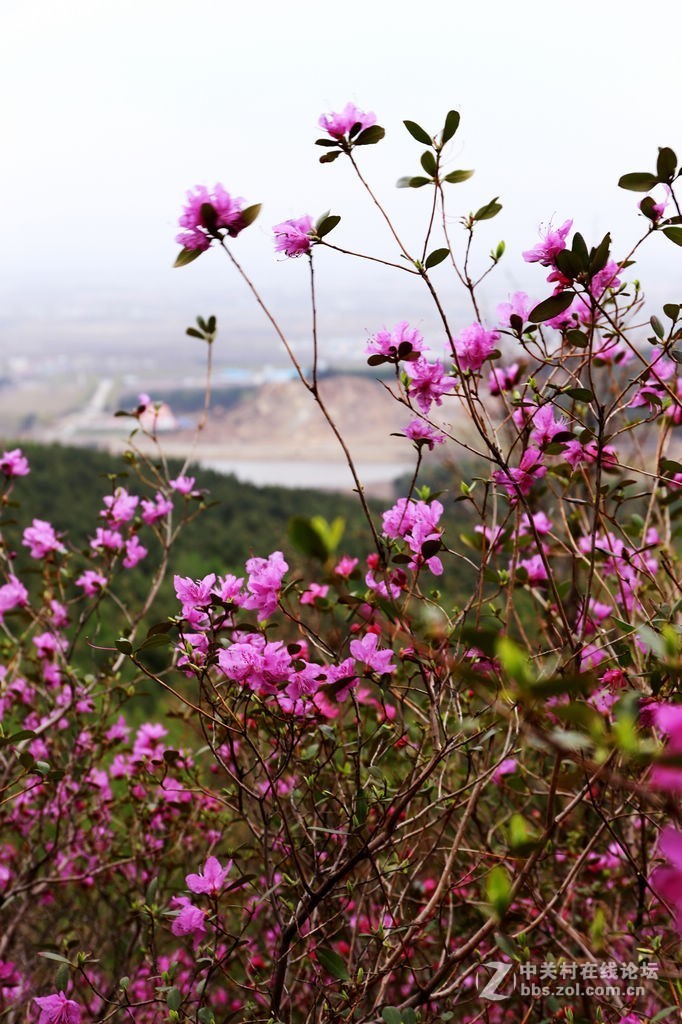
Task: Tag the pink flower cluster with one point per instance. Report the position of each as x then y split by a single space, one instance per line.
293 237
339 125
200 224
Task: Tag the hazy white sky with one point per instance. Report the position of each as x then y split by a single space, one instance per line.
112 108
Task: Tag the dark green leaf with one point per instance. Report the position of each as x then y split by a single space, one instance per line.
173 998
600 255
370 136
577 338
428 162
580 394
638 181
674 234
436 257
61 978
326 225
579 250
391 1015
455 177
569 264
54 956
249 214
488 211
418 133
194 333
376 359
413 182
672 310
326 142
156 640
329 157
648 208
306 538
186 256
124 645
666 165
551 307
451 125
332 963
657 327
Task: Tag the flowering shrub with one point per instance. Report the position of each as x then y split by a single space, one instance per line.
371 790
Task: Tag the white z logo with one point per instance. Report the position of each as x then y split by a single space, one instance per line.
489 991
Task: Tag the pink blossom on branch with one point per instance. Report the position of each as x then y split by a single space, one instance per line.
41 539
403 342
198 228
57 1009
474 345
14 463
292 237
553 242
367 653
211 879
339 124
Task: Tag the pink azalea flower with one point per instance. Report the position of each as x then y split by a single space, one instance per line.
545 426
14 463
227 214
190 920
264 583
183 484
135 552
106 540
474 345
292 237
366 651
148 741
12 595
57 1009
519 305
503 378
668 718
211 880
423 433
667 881
91 581
345 566
521 479
506 767
314 591
41 539
553 242
403 342
428 383
119 506
152 511
338 125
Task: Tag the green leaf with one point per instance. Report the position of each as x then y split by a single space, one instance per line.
674 234
124 645
206 1015
428 162
577 338
333 963
155 640
638 181
249 214
580 394
455 177
327 224
666 165
61 978
173 998
600 255
514 661
23 734
328 158
54 956
418 133
194 333
451 125
436 257
488 211
370 136
498 891
307 539
672 310
551 307
657 327
391 1015
186 256
569 263
413 182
